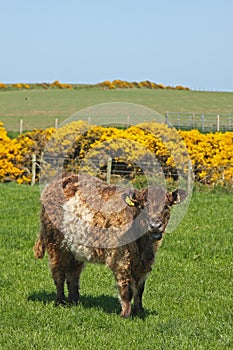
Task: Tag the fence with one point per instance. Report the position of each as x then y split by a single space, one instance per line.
179 120
23 127
114 172
200 121
120 173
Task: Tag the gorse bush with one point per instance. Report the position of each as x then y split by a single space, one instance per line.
22 86
121 84
211 155
3 86
133 148
89 147
15 155
115 84
12 155
59 85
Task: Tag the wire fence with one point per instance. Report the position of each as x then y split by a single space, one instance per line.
200 121
123 173
180 120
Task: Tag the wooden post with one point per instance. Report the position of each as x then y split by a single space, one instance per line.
190 122
56 123
178 121
190 176
218 122
230 124
109 170
21 126
202 122
33 170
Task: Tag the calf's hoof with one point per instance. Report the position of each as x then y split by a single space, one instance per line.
139 310
125 314
126 311
73 302
60 302
73 298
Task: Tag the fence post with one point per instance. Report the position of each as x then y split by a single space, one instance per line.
230 124
190 176
33 170
109 170
178 120
190 121
202 122
21 126
218 122
56 123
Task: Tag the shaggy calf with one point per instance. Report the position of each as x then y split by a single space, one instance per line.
83 219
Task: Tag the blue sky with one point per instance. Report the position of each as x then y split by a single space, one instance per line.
170 42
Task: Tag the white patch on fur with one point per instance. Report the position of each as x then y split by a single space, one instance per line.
76 222
81 231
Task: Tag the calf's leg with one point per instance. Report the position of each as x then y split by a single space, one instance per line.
58 275
58 272
126 294
72 278
138 308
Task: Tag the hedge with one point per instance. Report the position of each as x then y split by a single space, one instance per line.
211 154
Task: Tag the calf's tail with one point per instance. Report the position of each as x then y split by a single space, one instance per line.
39 249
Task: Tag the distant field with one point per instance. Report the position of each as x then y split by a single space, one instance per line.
38 108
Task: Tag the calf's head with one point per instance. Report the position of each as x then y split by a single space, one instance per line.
154 205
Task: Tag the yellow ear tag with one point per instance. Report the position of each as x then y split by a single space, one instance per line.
129 202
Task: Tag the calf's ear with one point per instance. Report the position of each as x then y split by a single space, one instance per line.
135 198
129 198
177 196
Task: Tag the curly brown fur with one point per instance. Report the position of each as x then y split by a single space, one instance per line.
76 206
39 249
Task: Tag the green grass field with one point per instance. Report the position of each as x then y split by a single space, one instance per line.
188 297
38 108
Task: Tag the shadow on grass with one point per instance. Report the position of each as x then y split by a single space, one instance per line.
42 296
106 303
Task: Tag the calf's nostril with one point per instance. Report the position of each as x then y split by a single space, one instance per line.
156 226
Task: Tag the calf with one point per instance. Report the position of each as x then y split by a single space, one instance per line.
83 219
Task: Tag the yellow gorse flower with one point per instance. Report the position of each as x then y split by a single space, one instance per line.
211 154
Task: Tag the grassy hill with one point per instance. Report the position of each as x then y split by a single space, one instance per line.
39 108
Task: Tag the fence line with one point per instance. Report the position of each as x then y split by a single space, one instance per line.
180 120
22 126
114 171
200 121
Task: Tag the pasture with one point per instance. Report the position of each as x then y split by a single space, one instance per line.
38 108
188 296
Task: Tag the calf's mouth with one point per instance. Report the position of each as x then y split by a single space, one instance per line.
156 230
